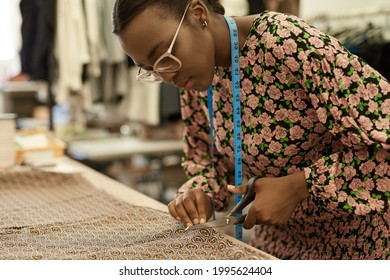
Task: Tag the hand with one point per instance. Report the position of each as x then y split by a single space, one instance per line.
276 199
192 207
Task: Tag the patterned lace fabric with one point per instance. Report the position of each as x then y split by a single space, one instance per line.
62 216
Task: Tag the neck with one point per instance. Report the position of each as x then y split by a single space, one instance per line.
222 37
221 42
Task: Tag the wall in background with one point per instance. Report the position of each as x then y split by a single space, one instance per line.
10 38
311 8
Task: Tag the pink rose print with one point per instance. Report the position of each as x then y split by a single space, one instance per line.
257 70
316 42
282 77
278 52
264 119
280 132
257 139
270 106
293 116
269 59
372 106
260 89
367 167
267 134
252 42
386 107
289 95
274 92
356 64
268 77
384 185
274 147
291 150
322 115
290 46
296 132
362 209
342 61
284 33
292 64
385 87
253 101
244 61
247 86
281 114
252 57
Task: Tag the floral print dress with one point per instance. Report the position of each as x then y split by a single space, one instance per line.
306 104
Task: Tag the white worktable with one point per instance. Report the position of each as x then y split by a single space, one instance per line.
120 148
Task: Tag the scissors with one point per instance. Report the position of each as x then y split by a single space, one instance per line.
231 218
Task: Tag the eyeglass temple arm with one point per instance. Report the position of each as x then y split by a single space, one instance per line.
177 30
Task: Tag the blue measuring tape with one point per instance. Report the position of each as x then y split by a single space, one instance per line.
234 46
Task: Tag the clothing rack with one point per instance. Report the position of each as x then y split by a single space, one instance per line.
365 33
383 11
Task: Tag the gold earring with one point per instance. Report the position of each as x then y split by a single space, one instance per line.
204 24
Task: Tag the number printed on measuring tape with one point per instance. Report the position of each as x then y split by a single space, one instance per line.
238 270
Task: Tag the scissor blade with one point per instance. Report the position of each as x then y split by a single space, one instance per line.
229 220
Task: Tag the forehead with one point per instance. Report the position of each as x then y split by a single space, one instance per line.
146 31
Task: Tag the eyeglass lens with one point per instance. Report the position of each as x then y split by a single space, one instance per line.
167 64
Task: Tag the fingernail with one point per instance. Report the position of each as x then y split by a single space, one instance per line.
188 224
230 187
202 220
178 218
196 221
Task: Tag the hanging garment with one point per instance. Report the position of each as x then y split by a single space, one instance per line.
37 30
96 47
114 50
71 48
142 101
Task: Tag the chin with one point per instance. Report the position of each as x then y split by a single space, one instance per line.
202 86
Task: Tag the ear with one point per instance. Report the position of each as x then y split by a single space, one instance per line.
199 11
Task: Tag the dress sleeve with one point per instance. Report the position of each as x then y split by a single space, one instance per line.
197 160
350 101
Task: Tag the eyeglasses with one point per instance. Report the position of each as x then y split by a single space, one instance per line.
165 63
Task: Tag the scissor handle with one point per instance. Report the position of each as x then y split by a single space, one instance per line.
246 200
240 220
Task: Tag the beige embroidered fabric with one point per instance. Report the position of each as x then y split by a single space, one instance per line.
62 216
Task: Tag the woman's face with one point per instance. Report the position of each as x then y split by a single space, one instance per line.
148 36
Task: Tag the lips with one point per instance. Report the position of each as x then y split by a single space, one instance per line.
186 84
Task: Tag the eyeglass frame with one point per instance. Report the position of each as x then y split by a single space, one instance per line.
168 53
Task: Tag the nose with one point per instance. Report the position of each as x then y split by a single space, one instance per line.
167 76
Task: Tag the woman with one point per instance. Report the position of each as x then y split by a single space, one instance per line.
315 123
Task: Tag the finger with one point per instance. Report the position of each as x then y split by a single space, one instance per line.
189 200
181 211
203 203
172 210
178 206
250 219
237 190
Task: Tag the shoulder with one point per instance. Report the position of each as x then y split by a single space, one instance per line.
275 23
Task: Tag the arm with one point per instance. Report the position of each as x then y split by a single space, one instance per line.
203 185
350 101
